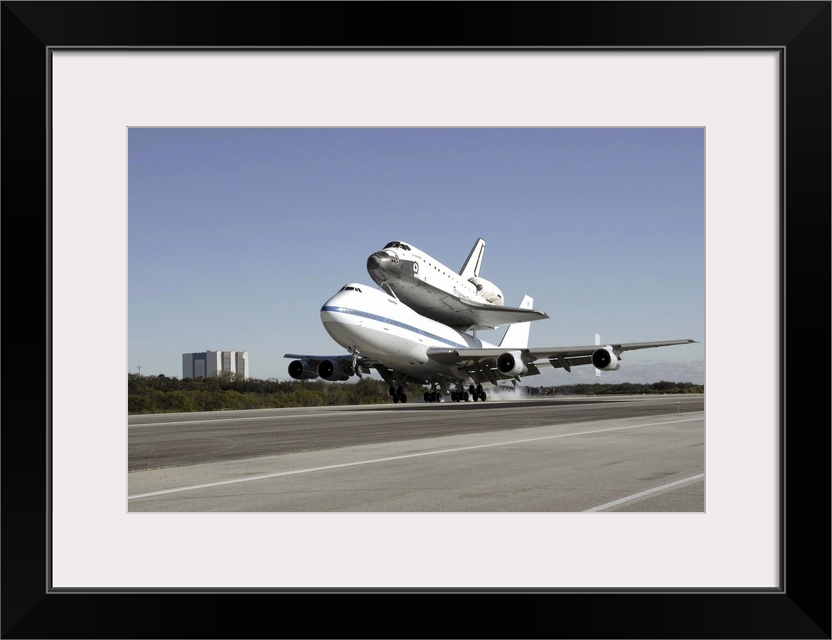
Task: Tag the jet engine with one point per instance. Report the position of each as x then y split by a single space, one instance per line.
487 290
605 360
302 370
333 371
510 363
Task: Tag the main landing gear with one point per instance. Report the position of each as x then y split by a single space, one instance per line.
434 395
473 393
398 394
477 393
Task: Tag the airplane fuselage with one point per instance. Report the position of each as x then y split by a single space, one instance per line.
383 328
381 332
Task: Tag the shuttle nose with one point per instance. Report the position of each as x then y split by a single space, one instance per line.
377 263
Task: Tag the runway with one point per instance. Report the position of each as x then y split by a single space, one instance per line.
632 453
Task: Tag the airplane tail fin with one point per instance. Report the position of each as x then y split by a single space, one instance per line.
517 335
472 265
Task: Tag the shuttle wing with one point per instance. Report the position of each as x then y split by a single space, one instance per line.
463 314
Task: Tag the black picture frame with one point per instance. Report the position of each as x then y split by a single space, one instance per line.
799 31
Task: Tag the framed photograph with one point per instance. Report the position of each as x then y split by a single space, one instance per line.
754 76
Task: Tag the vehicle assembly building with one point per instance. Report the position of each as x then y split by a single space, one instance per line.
214 363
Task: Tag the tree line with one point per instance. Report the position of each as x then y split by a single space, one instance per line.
163 394
623 388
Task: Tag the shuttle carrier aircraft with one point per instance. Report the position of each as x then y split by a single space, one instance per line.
381 332
461 300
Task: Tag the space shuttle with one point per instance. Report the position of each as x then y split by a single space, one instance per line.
462 300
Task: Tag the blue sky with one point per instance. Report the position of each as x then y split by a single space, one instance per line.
237 236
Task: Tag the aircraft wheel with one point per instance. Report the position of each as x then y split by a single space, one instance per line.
482 396
475 396
402 398
392 391
395 399
465 397
427 397
471 390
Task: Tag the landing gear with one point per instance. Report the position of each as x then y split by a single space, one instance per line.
473 393
434 395
460 394
398 395
477 393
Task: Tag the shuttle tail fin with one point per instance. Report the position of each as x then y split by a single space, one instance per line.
472 265
517 335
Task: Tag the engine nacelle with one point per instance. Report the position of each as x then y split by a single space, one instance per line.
302 370
333 371
605 360
511 363
487 290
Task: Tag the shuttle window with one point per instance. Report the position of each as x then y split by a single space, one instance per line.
396 245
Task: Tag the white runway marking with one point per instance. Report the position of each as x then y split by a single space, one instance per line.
642 494
401 457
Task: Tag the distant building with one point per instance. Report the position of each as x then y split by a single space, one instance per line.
214 363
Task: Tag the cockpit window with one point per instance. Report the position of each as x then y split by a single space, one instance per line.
349 288
397 245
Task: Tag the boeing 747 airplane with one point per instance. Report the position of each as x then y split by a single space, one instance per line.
461 300
381 332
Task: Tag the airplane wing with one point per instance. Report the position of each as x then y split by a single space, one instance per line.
338 367
567 357
341 367
501 363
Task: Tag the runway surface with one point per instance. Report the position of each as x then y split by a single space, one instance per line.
632 453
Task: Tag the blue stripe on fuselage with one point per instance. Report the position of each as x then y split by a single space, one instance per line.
396 323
